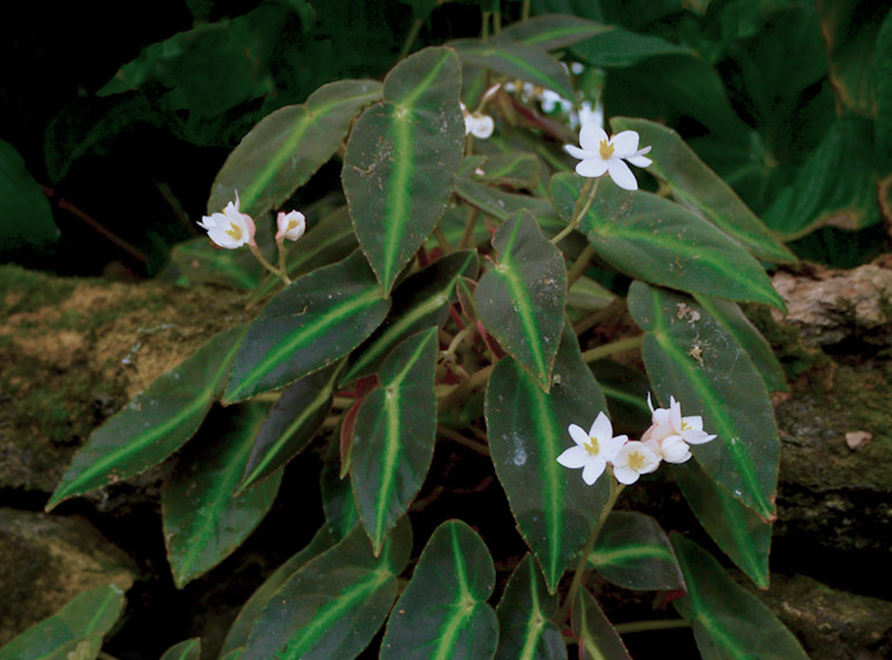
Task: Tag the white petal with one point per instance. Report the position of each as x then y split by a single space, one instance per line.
482 126
674 449
591 167
692 422
610 448
625 144
695 437
593 469
581 154
574 457
591 136
601 429
621 174
675 420
625 475
580 437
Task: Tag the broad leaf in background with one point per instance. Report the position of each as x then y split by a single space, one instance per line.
333 606
517 170
525 629
318 319
735 528
189 649
746 334
825 193
74 631
633 551
500 203
401 160
555 511
252 609
521 299
700 189
661 242
443 612
206 515
691 356
517 60
291 424
617 47
27 218
729 622
884 109
551 31
597 637
201 261
393 439
419 302
155 423
285 149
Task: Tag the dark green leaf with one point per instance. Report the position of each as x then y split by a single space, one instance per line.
555 511
291 424
552 31
518 170
205 515
525 631
285 149
333 605
633 551
338 502
659 241
500 203
884 105
200 261
78 628
443 612
393 439
27 218
729 622
189 649
691 356
597 638
318 319
702 190
521 299
617 47
401 160
155 423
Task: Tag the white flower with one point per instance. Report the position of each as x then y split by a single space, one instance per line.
477 124
291 225
229 228
632 460
593 449
670 434
601 154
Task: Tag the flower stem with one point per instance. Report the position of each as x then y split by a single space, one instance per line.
410 38
468 234
611 348
644 626
615 489
586 197
463 391
280 247
442 240
580 265
263 262
525 11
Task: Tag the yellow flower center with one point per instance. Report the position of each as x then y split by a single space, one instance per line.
235 231
636 460
685 426
606 149
292 224
592 446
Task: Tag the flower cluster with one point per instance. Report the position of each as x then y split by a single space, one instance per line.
231 229
668 439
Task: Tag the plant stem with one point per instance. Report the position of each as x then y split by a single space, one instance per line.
468 234
442 240
615 489
476 445
595 318
580 265
643 626
263 262
587 195
280 247
463 391
525 11
485 28
611 348
410 38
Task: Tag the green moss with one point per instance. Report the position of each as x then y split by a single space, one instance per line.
27 291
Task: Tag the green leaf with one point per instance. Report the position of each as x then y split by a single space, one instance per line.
826 193
700 189
74 631
597 638
338 502
729 622
500 203
27 218
525 631
633 551
735 528
189 649
252 609
393 439
555 511
516 60
521 299
551 31
315 321
419 302
617 47
201 261
746 334
691 356
287 147
205 514
155 423
661 242
291 424
333 605
883 58
401 160
518 170
443 612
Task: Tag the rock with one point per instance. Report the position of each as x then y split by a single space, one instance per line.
45 561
